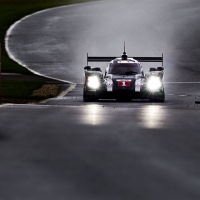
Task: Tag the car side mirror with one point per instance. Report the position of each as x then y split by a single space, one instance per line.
160 68
97 69
152 69
87 68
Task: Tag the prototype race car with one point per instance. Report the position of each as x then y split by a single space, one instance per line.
124 79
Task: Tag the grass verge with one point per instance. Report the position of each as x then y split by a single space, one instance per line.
27 91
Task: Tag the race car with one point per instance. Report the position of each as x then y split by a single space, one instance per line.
124 79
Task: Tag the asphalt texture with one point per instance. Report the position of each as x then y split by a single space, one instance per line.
68 149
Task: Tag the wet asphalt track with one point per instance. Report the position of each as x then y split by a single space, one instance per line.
68 149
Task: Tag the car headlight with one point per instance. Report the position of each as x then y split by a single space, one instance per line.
154 83
93 82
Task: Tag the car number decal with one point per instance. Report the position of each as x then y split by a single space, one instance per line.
124 83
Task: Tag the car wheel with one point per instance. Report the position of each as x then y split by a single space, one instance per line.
158 98
89 99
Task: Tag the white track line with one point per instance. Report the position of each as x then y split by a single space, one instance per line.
181 82
9 31
178 95
62 94
65 92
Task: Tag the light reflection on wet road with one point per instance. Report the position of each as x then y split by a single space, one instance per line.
153 116
93 115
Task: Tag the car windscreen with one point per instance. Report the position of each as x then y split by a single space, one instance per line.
124 68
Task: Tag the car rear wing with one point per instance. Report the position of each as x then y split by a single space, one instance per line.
139 59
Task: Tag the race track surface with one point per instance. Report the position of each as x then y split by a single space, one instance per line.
56 42
68 149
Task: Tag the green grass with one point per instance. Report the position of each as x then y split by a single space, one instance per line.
19 89
13 10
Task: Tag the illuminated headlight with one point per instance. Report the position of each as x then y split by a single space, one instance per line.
154 83
93 82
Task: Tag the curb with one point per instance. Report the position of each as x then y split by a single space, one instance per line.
62 94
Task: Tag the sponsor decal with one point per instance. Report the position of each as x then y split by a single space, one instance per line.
109 85
138 84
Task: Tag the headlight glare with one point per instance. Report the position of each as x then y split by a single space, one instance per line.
154 83
93 82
